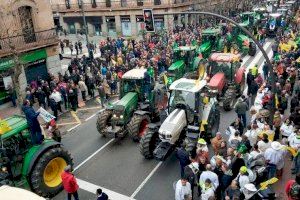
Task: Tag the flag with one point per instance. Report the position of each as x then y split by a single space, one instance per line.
276 101
165 79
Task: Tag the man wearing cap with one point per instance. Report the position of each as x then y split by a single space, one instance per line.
69 183
243 178
273 155
202 149
250 192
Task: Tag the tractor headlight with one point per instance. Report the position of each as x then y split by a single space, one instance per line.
121 116
114 116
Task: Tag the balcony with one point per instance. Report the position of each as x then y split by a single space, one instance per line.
29 41
114 5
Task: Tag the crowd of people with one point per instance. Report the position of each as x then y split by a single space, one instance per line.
257 137
256 144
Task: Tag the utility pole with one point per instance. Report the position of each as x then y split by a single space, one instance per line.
86 32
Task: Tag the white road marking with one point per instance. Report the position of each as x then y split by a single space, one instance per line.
146 180
90 187
73 127
87 119
91 156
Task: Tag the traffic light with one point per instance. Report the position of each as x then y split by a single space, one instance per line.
148 20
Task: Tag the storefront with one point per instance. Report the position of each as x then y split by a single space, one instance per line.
158 23
126 26
140 24
35 66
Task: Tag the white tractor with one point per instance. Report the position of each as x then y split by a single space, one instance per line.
193 113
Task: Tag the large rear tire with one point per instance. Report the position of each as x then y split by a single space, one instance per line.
138 126
102 121
45 178
148 143
229 99
252 49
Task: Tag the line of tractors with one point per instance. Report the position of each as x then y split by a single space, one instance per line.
180 106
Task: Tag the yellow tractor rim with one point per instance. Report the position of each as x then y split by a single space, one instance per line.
53 171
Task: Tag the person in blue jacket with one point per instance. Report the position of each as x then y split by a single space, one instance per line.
33 123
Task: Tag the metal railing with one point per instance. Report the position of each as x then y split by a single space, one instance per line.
121 4
28 41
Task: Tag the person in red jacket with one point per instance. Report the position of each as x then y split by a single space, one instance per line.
292 188
69 183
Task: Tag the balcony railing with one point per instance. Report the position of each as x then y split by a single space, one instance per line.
28 41
121 4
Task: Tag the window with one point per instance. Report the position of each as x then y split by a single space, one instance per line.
94 4
140 2
108 3
68 6
124 3
157 2
27 24
79 3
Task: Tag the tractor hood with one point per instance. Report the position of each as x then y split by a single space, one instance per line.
176 65
171 128
204 47
124 108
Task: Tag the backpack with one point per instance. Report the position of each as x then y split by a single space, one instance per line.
294 192
192 174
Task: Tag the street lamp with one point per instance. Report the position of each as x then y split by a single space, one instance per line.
90 51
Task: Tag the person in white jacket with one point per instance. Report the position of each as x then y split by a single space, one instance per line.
207 190
286 128
294 140
208 174
182 189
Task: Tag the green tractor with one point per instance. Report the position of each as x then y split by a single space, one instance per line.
186 63
34 167
140 101
211 41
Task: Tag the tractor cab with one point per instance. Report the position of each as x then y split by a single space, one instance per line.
138 81
227 77
211 40
27 165
227 63
274 23
283 12
185 53
248 17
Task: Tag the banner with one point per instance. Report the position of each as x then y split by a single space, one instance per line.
47 117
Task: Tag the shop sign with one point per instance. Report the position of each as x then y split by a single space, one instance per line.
36 62
28 57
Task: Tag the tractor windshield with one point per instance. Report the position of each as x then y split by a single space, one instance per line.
132 85
182 97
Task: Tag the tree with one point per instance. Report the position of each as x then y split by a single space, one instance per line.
11 30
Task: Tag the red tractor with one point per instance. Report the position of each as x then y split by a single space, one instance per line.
227 76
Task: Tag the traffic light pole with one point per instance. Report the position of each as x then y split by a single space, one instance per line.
86 31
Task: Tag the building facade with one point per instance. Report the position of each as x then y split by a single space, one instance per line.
125 17
27 30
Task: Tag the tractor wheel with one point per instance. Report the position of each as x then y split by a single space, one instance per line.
102 121
138 126
45 178
252 49
229 99
149 141
190 144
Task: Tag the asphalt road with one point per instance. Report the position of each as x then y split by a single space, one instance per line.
118 165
